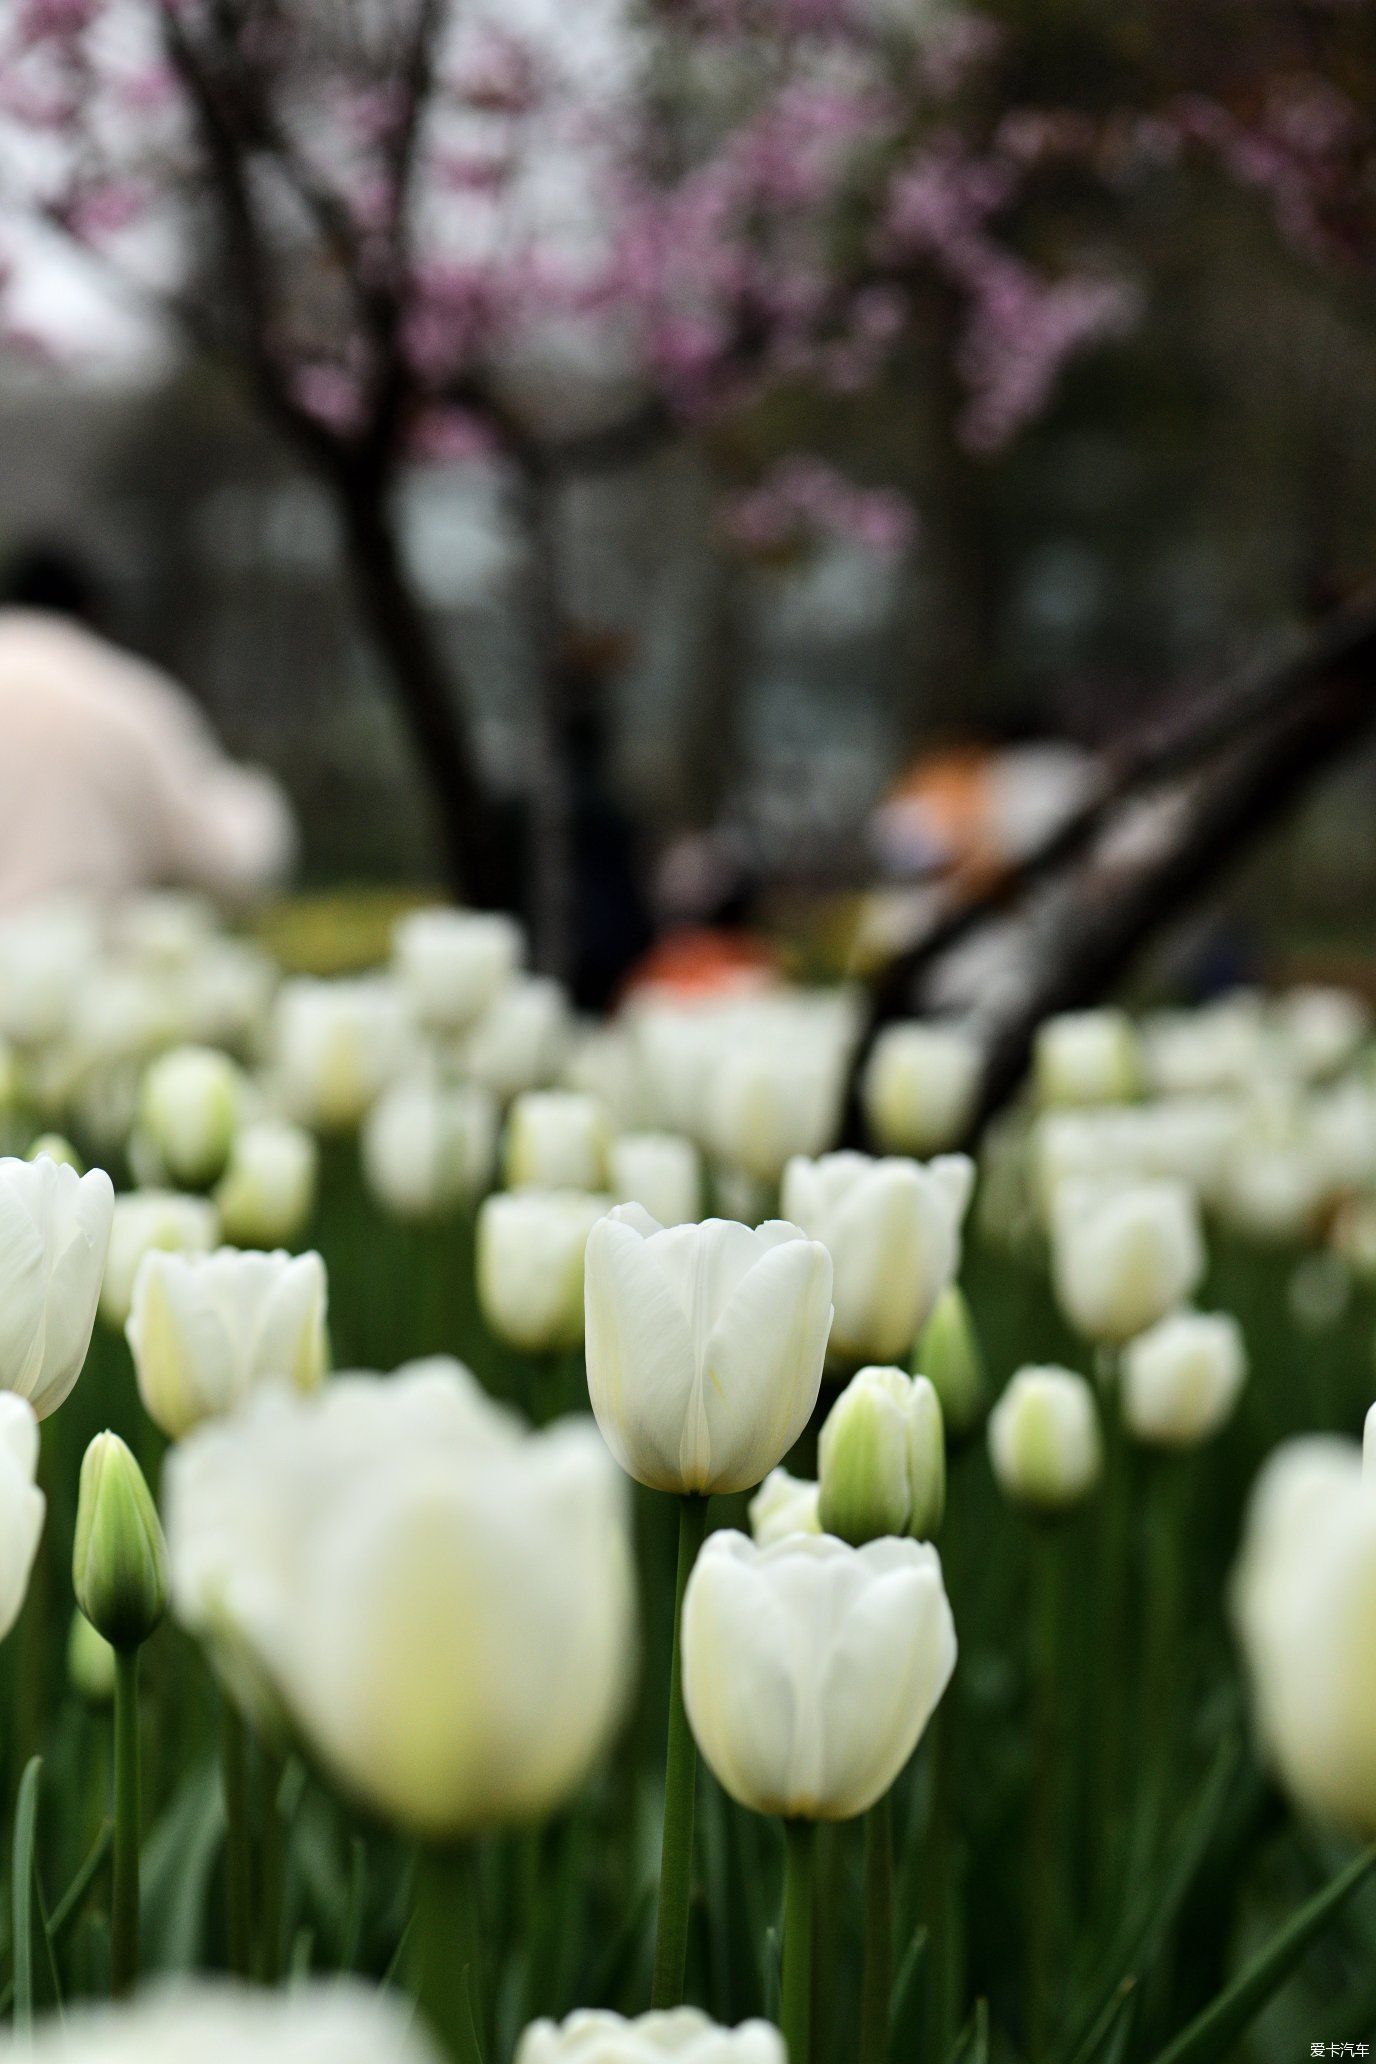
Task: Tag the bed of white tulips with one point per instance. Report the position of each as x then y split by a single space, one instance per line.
513 1548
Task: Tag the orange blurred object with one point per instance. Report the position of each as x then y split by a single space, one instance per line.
701 960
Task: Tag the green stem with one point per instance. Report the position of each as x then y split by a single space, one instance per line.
124 1904
446 1972
1110 1693
796 2005
680 1785
238 1838
272 1863
1044 1889
876 1994
939 1902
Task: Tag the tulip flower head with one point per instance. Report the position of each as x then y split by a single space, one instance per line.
22 1505
453 964
1088 1057
54 1233
521 1039
556 1139
1124 1254
54 1146
660 1171
530 1266
782 1505
190 1107
919 1087
1182 1377
683 2034
144 1222
948 1355
429 1146
1044 1440
335 1046
336 2023
267 1193
882 1459
1369 1447
90 1662
119 1562
206 1329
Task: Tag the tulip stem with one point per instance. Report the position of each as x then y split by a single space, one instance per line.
447 1978
680 1785
124 1897
238 1838
876 1996
1044 1889
796 2000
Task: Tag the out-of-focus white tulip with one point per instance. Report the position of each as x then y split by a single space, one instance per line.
429 1146
267 1193
442 1604
1369 1447
1087 1057
766 1102
594 2037
90 1662
21 1505
335 1046
555 1139
9 1077
54 1232
705 1346
205 1329
1044 1439
53 1146
1181 1378
810 1668
48 951
520 1041
920 1085
162 928
336 2023
660 1171
1272 1190
530 1265
1124 1254
454 963
142 1221
1220 1046
190 1107
948 1355
892 1229
1304 1597
1340 1129
881 1459
782 1505
1321 1029
604 1063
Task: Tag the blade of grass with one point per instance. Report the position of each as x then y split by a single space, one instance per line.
25 1833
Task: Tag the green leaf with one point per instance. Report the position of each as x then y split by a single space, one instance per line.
178 1858
1214 2032
906 1991
972 2046
25 1833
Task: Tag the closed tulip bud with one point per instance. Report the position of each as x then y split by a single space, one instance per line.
144 1222
190 1107
207 1329
90 1663
1369 1446
1044 1440
948 1354
1181 1378
454 963
54 1232
556 1139
119 1562
705 1346
530 1266
811 1668
919 1087
882 1459
1088 1057
429 1147
521 1039
892 1229
684 2034
661 1171
1124 1254
52 1146
335 1046
22 1505
782 1505
266 1195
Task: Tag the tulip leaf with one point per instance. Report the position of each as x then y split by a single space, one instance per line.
973 2044
1213 2033
69 1905
25 1835
177 1861
906 1985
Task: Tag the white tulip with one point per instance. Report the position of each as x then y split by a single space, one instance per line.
143 1220
1044 1439
341 2022
782 1505
530 1265
206 1329
429 1146
48 952
881 1459
190 1107
810 1669
594 2037
705 1346
920 1085
442 1604
1321 1029
21 1505
54 1232
766 1103
892 1229
1272 1190
520 1041
335 1046
454 963
1181 1378
1087 1057
660 1171
1220 1046
1124 1254
267 1193
1369 1446
556 1139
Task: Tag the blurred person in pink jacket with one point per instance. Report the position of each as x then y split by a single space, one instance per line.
110 777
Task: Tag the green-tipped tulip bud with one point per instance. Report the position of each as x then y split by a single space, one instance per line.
119 1565
882 1459
948 1354
90 1663
1044 1440
53 1147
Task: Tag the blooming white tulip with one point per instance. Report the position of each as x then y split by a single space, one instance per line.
48 951
336 2023
267 1193
881 1458
765 1103
592 2037
1044 1439
441 1604
1087 1057
1321 1029
782 1505
705 1346
21 1504
335 1045
1181 1378
556 1139
1219 1046
1369 1446
521 1039
454 963
530 1265
142 1221
1124 1254
661 1171
54 1232
429 1146
892 1229
190 1106
205 1329
920 1085
810 1668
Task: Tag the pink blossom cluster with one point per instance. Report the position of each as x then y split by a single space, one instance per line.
804 502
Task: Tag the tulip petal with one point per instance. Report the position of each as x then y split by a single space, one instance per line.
641 1370
762 1364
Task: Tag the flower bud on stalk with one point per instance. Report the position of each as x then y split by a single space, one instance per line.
190 1107
119 1563
1181 1379
1088 1057
1044 1440
948 1355
52 1146
267 1193
882 1459
90 1662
